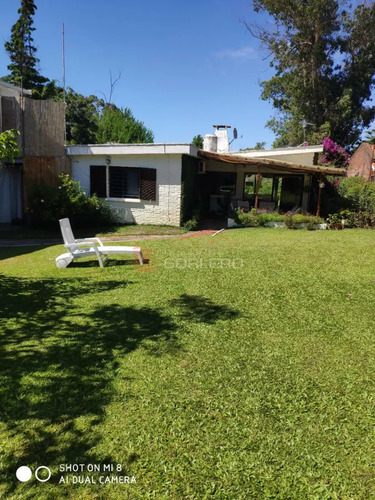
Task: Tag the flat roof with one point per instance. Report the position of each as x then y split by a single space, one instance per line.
132 149
13 87
272 164
263 153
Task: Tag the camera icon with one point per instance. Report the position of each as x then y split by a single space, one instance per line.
42 473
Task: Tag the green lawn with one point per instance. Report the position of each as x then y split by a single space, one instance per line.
248 382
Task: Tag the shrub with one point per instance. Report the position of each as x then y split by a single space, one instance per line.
192 224
349 219
350 188
47 204
294 221
249 219
367 197
335 221
9 150
273 217
252 219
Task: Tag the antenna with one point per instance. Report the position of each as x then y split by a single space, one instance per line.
63 76
304 124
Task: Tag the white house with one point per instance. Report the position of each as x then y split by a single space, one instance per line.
142 182
166 183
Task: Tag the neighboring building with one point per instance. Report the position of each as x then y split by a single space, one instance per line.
10 176
362 163
42 131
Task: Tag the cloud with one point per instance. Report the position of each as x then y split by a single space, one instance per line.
243 53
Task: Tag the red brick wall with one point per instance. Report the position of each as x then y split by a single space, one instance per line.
361 161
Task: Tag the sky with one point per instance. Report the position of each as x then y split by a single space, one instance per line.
184 66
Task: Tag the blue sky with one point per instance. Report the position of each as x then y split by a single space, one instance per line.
185 65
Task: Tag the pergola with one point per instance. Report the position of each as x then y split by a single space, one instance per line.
265 164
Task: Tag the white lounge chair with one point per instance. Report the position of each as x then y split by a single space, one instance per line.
88 247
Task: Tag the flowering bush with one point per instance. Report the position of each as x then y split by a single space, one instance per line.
333 154
47 204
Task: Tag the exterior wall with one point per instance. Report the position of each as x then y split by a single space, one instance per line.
7 90
190 181
361 162
167 207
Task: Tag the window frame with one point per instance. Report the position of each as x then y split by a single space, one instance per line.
127 196
145 176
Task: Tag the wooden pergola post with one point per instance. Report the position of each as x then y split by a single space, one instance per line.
257 179
319 195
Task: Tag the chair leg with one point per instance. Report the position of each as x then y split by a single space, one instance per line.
140 257
100 260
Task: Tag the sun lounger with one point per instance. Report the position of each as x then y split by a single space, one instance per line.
89 247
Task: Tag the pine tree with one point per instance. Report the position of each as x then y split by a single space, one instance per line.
22 52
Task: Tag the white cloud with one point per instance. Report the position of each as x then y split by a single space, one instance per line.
243 53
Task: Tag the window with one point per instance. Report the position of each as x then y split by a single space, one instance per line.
284 190
123 182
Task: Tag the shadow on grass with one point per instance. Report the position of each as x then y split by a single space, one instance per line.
110 263
59 358
202 310
58 361
10 252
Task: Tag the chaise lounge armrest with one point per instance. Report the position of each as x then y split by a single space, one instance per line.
90 240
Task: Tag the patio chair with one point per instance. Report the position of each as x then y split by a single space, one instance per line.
89 247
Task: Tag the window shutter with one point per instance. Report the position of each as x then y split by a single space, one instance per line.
148 183
98 180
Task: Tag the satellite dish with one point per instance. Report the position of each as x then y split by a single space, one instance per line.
235 135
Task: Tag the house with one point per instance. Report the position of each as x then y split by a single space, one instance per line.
166 183
143 182
362 163
42 132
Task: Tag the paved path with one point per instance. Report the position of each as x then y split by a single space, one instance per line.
50 242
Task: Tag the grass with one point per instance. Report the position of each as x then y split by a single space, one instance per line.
8 231
251 381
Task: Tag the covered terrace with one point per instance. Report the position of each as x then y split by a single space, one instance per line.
261 183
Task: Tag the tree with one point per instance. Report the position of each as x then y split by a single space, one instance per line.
258 145
119 125
323 53
22 52
82 118
9 150
198 141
